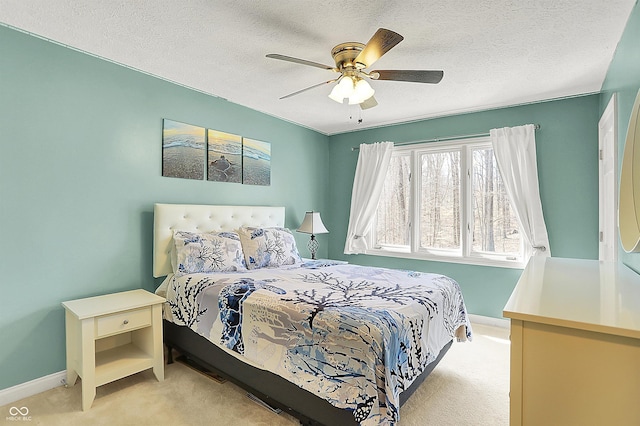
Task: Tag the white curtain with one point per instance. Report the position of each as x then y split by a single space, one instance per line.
373 162
515 151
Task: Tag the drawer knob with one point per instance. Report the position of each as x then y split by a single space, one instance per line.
126 322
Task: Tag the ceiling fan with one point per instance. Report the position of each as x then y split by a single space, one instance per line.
352 59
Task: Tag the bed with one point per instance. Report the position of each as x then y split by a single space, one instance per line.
328 342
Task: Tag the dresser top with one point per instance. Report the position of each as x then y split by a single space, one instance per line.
582 294
110 303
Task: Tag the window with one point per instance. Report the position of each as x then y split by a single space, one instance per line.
393 225
446 201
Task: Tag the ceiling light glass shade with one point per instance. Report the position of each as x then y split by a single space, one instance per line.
344 89
362 92
312 224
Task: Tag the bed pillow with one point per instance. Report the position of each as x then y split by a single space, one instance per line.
268 247
207 252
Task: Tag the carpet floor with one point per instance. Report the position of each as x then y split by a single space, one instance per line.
470 386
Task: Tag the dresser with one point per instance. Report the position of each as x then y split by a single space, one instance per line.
575 344
112 336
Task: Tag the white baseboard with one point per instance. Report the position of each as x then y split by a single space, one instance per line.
496 322
33 387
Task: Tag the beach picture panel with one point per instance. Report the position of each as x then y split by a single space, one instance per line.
256 162
224 163
183 150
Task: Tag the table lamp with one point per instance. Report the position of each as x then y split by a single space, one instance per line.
312 224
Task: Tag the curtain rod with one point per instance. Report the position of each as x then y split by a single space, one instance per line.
445 138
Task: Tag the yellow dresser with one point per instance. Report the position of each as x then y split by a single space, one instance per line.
575 344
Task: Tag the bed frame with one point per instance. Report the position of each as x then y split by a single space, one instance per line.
270 388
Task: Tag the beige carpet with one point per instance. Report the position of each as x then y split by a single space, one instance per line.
469 387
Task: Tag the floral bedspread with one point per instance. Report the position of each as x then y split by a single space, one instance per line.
356 336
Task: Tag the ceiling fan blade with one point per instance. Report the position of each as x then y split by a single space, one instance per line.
369 103
381 42
309 88
415 76
300 61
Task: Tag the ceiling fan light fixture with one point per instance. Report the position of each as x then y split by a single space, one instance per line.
344 89
352 59
354 89
361 93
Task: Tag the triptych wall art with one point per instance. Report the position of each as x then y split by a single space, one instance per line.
190 152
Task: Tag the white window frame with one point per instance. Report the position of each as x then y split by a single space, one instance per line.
464 254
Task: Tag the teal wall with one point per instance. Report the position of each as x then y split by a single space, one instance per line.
623 78
567 147
80 170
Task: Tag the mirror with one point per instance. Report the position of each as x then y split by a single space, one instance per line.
629 197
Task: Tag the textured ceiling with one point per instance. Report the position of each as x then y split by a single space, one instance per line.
493 53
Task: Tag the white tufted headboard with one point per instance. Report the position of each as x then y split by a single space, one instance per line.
201 218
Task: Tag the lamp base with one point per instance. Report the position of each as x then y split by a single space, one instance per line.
312 245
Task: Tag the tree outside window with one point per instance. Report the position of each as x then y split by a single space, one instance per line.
458 204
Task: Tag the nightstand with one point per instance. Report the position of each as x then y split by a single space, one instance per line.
113 336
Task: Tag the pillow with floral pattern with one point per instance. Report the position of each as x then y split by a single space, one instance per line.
207 252
268 247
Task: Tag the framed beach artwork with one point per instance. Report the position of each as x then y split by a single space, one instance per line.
224 162
256 162
183 150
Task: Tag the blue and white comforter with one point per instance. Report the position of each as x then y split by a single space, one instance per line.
353 335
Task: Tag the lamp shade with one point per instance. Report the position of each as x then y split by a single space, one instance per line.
312 224
344 89
361 93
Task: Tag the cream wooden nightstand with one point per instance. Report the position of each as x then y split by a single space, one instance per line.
113 336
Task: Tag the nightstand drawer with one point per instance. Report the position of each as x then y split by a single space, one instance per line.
123 321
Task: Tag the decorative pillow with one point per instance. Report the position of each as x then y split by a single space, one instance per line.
268 247
207 252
